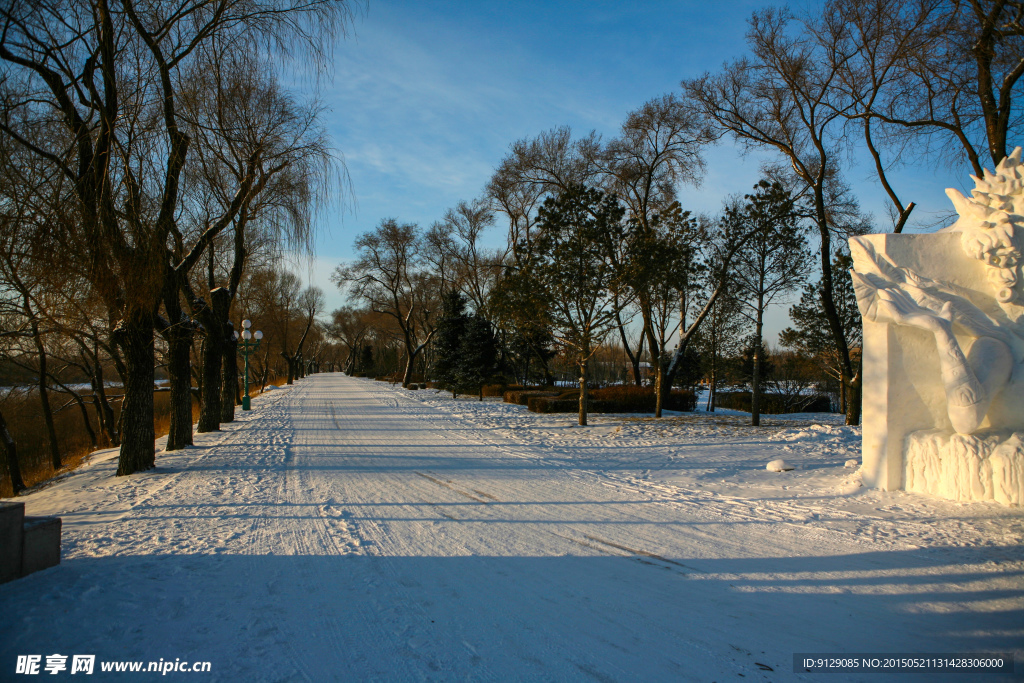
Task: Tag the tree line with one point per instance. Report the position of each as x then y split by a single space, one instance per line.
598 245
153 169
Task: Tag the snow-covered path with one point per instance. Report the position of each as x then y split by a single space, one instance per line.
342 531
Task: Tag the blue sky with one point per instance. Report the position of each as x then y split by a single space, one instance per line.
426 98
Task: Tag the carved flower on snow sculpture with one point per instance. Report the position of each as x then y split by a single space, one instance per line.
989 225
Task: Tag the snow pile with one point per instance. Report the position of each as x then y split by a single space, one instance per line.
820 433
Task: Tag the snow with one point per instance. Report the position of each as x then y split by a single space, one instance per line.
346 528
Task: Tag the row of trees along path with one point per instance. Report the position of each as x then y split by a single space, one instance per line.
135 134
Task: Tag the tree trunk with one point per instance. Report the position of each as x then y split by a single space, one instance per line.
854 397
755 386
853 403
213 353
104 412
827 294
266 369
13 468
209 403
634 359
229 392
710 407
44 397
179 336
290 361
407 377
179 369
659 385
86 421
135 339
583 392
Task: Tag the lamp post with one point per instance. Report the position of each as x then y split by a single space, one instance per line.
247 346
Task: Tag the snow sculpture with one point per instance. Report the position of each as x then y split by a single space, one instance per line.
943 349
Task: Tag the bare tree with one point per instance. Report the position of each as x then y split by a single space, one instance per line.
784 99
389 276
245 126
101 107
310 305
457 256
534 169
350 326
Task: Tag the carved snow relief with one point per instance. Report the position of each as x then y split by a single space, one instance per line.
944 348
966 466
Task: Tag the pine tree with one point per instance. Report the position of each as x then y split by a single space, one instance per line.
573 268
478 359
773 262
811 335
365 363
448 341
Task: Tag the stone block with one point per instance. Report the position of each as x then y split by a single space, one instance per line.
40 544
12 520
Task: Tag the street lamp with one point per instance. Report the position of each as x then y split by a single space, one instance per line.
246 346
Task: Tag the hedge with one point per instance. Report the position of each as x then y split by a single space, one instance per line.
774 404
613 400
633 399
500 389
520 397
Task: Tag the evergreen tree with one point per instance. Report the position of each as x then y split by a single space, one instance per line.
478 357
811 334
523 310
773 262
365 362
448 341
573 267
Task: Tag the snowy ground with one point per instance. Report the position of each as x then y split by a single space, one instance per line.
350 530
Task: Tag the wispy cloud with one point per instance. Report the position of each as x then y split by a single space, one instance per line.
427 97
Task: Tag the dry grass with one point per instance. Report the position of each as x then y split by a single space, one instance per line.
25 419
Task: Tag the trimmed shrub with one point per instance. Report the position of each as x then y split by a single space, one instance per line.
682 400
774 404
521 397
612 400
634 399
541 404
502 389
